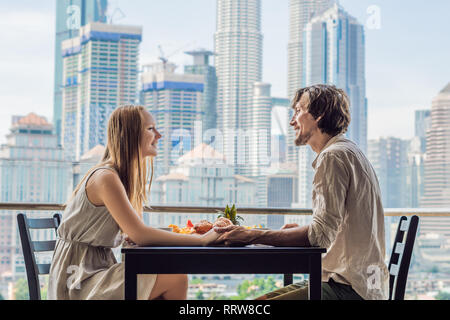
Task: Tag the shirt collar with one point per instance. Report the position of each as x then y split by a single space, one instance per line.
329 143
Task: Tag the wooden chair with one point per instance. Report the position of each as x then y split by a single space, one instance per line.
29 248
401 256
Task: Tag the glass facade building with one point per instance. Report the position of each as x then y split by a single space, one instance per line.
300 13
71 15
100 74
238 48
201 66
176 102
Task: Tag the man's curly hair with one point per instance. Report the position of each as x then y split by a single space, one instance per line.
329 103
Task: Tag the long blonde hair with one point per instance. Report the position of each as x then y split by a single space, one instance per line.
123 153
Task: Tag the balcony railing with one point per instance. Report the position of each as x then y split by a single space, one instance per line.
429 274
422 212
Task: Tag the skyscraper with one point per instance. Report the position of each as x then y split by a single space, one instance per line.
437 163
238 49
389 157
100 74
201 66
334 53
70 16
437 176
421 125
176 102
260 139
300 13
334 50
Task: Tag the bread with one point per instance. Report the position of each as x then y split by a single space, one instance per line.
203 226
222 222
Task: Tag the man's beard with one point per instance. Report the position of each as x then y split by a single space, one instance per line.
302 139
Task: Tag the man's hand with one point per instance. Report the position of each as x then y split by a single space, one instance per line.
236 235
289 226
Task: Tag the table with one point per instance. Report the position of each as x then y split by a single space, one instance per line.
223 260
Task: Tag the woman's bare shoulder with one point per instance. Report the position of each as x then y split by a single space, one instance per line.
105 176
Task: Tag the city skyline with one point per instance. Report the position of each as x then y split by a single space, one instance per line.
405 91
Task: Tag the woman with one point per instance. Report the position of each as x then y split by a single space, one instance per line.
107 204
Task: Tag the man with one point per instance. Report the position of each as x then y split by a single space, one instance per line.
348 217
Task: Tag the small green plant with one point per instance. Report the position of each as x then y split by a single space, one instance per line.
231 214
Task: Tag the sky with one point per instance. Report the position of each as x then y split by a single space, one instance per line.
407 51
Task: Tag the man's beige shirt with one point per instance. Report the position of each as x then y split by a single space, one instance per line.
348 219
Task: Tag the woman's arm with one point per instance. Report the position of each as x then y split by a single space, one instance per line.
108 189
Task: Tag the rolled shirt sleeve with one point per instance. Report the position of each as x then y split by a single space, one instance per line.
329 194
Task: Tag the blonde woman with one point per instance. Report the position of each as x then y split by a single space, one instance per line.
106 204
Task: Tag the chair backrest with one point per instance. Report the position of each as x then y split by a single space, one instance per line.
401 256
29 248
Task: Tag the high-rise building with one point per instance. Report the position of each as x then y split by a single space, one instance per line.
415 171
305 176
281 191
100 74
238 48
416 158
32 170
389 158
334 53
300 13
260 139
279 139
334 48
437 163
434 232
201 66
421 126
176 102
71 15
259 148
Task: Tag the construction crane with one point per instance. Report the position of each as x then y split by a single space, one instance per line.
162 56
165 58
113 16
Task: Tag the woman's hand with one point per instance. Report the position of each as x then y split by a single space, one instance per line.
209 238
129 242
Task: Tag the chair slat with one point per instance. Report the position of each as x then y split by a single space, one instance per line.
41 223
41 246
393 270
399 248
44 268
404 225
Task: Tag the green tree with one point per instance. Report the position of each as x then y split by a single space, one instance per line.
196 281
21 289
434 269
443 295
255 288
199 295
1 297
